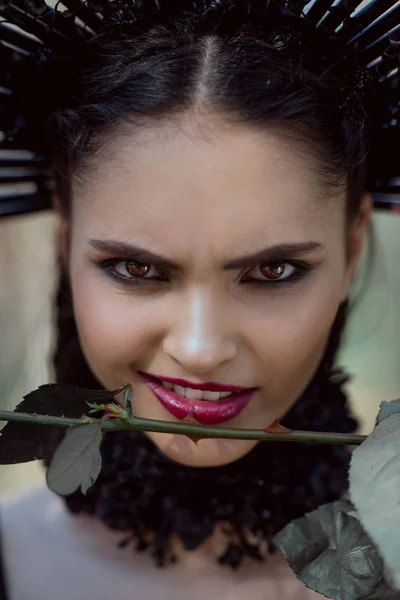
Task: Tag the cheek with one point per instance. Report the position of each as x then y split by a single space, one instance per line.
114 329
281 336
290 336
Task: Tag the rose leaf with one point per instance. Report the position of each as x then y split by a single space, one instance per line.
77 460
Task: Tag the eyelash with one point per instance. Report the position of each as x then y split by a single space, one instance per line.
302 270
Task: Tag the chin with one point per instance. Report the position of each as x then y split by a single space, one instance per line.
203 453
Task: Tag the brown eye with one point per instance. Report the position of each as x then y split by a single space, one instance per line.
280 271
273 270
137 269
133 272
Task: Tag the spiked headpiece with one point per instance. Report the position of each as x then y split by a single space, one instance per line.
370 29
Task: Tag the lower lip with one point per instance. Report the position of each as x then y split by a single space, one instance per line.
206 413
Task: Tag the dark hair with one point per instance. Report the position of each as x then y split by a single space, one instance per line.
283 76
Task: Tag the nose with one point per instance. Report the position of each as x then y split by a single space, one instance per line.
199 339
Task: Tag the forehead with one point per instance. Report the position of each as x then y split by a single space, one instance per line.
189 184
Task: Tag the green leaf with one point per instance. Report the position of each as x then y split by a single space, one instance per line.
386 409
128 400
331 553
384 592
55 398
94 407
77 460
375 490
23 442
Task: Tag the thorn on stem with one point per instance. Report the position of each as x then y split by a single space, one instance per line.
196 438
276 427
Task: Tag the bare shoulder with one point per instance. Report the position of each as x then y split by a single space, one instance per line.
42 547
50 553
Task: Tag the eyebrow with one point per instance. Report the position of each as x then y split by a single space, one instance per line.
270 253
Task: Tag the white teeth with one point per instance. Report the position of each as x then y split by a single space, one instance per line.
193 394
211 395
196 394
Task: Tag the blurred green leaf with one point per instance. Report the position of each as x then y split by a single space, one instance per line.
77 460
375 489
386 409
331 553
23 442
384 592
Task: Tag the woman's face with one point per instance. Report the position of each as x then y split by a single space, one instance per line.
234 276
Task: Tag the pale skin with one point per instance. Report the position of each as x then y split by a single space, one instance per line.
201 201
202 194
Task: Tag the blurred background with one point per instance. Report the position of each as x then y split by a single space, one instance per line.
371 350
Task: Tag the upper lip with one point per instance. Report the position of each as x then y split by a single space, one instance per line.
208 386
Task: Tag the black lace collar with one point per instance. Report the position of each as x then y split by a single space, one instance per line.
140 491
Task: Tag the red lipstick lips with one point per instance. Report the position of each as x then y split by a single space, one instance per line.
208 385
204 411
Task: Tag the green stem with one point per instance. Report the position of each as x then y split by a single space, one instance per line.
139 424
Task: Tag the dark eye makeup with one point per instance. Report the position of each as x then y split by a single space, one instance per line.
301 270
